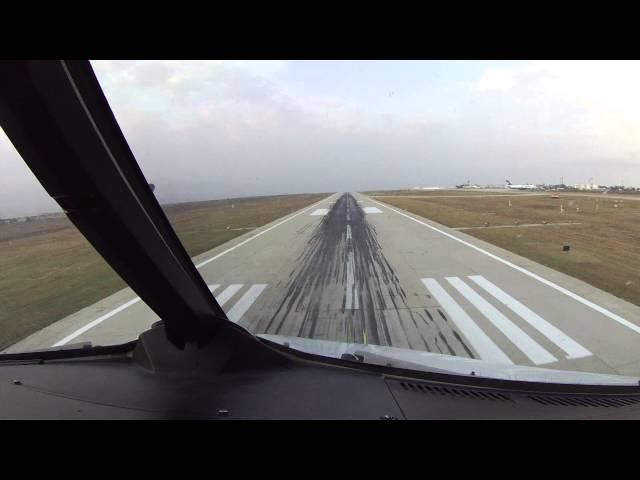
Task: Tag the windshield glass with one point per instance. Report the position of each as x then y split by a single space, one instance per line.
433 210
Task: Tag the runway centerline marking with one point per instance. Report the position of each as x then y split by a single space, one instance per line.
613 316
117 310
572 348
351 291
535 352
480 341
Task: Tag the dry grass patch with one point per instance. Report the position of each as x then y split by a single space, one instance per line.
604 240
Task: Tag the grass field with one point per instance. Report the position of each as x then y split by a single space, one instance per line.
49 270
603 232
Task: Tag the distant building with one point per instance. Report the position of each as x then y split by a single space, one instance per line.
587 186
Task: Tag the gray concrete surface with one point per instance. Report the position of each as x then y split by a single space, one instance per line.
354 269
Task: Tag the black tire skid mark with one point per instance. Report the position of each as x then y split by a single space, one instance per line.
316 266
322 263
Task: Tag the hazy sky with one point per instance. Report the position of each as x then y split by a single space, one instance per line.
214 129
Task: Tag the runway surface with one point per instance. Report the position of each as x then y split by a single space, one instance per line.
354 269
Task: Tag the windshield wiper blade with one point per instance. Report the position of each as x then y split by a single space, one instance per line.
83 349
419 360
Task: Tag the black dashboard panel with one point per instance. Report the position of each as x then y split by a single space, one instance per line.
430 400
240 377
156 380
121 389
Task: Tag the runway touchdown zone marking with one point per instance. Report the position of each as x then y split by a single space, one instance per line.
245 302
534 352
319 211
235 313
371 210
572 348
480 341
484 346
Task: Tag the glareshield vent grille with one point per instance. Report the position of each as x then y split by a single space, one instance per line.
546 400
607 402
457 392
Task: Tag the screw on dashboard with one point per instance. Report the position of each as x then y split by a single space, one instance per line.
388 417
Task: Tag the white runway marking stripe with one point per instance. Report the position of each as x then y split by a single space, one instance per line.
371 210
348 232
227 293
245 302
351 291
481 343
566 343
97 321
613 316
213 288
536 353
320 211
